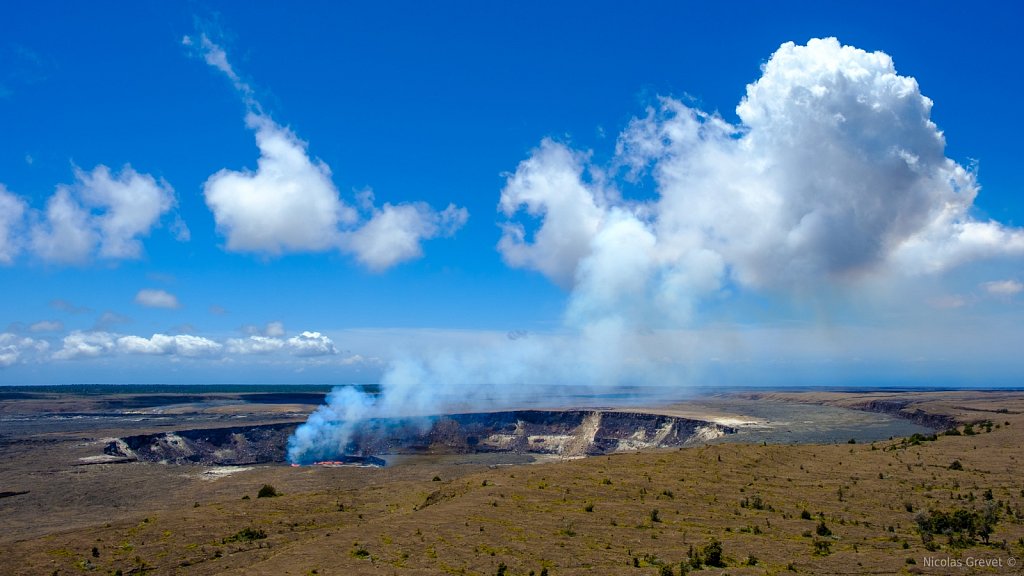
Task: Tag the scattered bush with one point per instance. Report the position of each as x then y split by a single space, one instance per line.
960 526
713 554
956 465
805 515
822 530
246 535
267 491
654 516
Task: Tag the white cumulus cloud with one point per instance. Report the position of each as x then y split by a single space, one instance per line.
255 345
311 344
394 233
152 298
162 344
79 344
91 344
102 214
289 203
836 172
15 349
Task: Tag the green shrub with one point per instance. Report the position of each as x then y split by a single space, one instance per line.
712 554
822 530
246 535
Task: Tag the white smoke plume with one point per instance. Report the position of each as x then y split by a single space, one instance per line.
834 176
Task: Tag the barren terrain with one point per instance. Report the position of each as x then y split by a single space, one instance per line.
882 507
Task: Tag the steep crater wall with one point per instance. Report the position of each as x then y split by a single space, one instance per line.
568 433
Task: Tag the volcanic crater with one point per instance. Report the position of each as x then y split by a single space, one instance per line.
566 433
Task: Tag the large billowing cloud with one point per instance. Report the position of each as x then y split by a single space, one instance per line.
834 178
290 203
835 173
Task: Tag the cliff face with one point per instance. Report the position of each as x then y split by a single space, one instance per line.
569 433
211 446
899 409
566 433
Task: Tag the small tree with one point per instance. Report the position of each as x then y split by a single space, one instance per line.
713 554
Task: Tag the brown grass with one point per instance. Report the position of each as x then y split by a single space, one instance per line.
590 516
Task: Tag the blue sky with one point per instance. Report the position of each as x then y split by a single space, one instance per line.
456 116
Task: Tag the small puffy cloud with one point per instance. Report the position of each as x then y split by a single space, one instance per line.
274 329
289 203
311 344
102 214
47 326
394 234
80 344
151 298
1003 287
162 344
12 211
15 349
